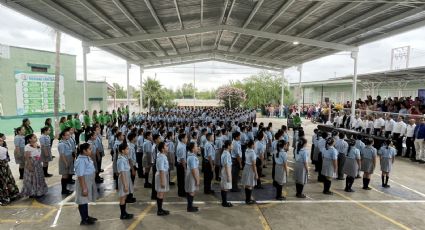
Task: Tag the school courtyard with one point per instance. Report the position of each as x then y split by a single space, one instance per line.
400 207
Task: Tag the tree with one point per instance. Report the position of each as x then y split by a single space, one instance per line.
120 91
230 97
262 89
156 95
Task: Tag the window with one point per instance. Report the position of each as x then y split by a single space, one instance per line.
39 69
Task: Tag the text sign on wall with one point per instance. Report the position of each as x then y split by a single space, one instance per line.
35 93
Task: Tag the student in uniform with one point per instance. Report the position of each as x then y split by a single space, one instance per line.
124 180
48 123
260 151
342 147
131 137
321 144
139 152
236 161
218 151
192 180
85 188
209 156
100 154
249 174
171 156
351 165
181 164
147 158
368 163
330 165
301 167
19 152
281 168
66 162
387 155
156 141
34 184
46 150
277 138
360 146
92 137
162 178
226 173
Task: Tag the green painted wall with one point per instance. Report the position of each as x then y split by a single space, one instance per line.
18 61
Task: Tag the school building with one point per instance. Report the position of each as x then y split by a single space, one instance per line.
394 83
27 84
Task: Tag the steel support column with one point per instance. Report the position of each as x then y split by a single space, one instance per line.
354 56
128 83
141 89
86 50
282 93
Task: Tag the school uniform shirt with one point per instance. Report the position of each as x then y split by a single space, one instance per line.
209 151
244 139
132 154
181 152
237 149
99 144
389 125
400 128
341 146
65 149
225 162
410 130
360 145
260 148
368 153
162 164
154 154
45 144
84 167
321 144
140 141
111 140
202 141
190 182
378 123
124 167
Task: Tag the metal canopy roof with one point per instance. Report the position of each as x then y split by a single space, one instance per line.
258 33
416 74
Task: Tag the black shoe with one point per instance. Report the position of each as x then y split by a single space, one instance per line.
192 209
281 198
421 162
227 205
98 181
48 175
182 195
328 193
258 187
126 216
71 182
349 190
162 213
87 222
53 157
340 178
211 192
250 202
101 170
358 177
172 183
92 218
148 185
264 167
66 192
130 200
367 188
235 190
302 196
386 186
263 175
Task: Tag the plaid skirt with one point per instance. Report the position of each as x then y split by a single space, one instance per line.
34 183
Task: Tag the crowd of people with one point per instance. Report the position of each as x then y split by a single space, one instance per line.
228 146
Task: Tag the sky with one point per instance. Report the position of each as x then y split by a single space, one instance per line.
19 30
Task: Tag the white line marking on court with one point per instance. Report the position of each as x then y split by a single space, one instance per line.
404 186
61 204
269 202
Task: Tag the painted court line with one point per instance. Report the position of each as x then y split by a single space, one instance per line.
140 217
61 204
269 202
262 218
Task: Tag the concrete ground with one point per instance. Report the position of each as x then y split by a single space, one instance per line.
400 207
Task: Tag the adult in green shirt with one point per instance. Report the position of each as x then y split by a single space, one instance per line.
69 122
119 114
102 121
86 120
95 118
62 124
114 117
78 128
27 124
48 123
297 120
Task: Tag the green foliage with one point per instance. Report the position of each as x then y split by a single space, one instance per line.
262 89
187 90
121 93
158 95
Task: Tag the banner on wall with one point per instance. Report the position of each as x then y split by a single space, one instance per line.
35 93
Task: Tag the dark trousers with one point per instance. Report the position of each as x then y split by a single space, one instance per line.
398 143
235 173
341 161
259 164
101 129
203 158
77 136
131 175
153 194
387 134
243 155
208 175
377 132
180 180
410 148
139 156
367 130
319 167
217 172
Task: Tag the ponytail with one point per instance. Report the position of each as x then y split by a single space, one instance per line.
301 142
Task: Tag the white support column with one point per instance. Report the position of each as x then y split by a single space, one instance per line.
300 96
141 89
282 93
128 84
86 50
354 56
